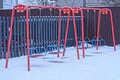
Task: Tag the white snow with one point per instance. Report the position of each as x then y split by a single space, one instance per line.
103 64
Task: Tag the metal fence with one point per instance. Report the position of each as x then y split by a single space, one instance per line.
43 33
43 29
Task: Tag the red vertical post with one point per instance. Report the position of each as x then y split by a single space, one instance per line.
98 29
59 31
28 38
82 28
10 37
112 27
75 33
66 11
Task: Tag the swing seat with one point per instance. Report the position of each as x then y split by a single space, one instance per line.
37 52
100 42
87 42
54 47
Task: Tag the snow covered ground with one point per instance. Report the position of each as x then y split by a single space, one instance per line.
103 64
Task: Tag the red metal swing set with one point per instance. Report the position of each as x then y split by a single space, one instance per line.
66 10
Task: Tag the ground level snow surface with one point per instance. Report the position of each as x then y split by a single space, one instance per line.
103 64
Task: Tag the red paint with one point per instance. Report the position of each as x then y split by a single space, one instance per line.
28 38
98 29
66 10
112 26
82 21
59 30
9 38
76 10
75 31
105 11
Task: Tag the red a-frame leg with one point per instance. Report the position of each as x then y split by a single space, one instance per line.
66 10
74 11
20 9
105 11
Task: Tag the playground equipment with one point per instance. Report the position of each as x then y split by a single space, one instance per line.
29 42
101 41
76 10
105 11
87 40
21 9
92 42
54 35
30 37
98 40
66 10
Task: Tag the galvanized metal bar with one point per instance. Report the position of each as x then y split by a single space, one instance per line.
7 31
33 32
14 35
64 23
46 18
53 32
44 30
87 22
38 23
21 36
49 30
36 32
63 28
4 36
18 36
24 36
31 20
56 30
0 38
41 29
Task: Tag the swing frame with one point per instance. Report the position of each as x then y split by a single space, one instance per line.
21 8
104 11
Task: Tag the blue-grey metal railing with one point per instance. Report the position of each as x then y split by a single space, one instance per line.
43 32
